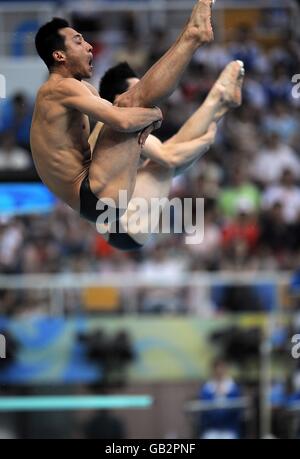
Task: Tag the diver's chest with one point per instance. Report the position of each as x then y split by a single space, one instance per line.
79 127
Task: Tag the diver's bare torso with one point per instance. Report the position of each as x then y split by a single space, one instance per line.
59 143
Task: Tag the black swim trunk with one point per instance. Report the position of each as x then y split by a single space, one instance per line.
88 203
88 210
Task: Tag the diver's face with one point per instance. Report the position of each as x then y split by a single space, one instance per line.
77 57
220 371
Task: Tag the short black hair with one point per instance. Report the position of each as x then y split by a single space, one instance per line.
48 40
114 81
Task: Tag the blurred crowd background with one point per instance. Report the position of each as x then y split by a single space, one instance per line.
250 180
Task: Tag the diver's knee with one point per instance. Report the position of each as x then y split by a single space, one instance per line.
131 98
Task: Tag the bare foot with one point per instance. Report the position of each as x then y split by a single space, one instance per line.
229 84
199 25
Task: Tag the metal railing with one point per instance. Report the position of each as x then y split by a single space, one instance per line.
55 285
187 279
196 406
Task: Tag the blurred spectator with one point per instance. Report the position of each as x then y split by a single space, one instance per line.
279 86
294 287
240 298
273 159
275 234
220 423
287 194
242 132
241 190
215 56
246 49
206 255
11 241
12 157
16 117
282 120
254 91
207 182
243 227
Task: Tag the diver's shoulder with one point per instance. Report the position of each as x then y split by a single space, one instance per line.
92 88
69 86
57 90
43 91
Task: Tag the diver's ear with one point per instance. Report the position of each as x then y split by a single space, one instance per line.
59 56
